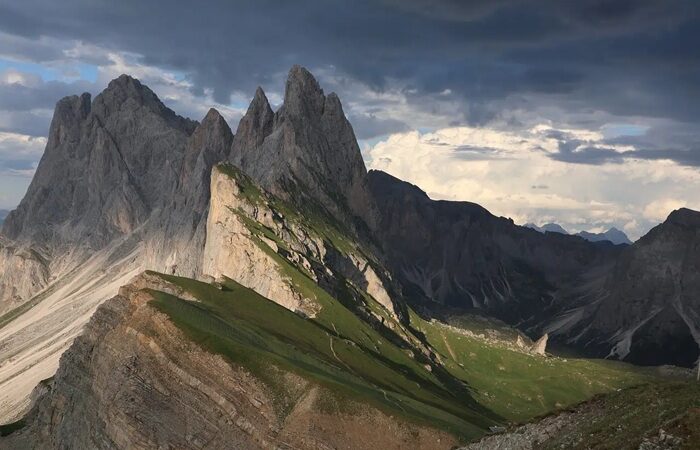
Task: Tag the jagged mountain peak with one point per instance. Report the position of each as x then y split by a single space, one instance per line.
257 121
127 96
212 132
74 105
127 87
306 150
303 95
260 101
213 119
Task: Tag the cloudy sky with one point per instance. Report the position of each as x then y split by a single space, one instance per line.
581 112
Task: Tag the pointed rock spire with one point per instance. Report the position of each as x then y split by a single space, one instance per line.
257 121
215 123
307 151
209 144
303 97
253 128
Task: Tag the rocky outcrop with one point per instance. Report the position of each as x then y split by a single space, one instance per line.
175 236
24 271
232 251
134 380
250 231
306 151
122 187
540 346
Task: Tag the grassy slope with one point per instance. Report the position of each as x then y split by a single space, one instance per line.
519 386
256 333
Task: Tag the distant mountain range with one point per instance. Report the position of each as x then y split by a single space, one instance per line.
613 234
547 227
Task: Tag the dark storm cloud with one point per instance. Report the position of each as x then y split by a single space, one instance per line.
579 151
601 155
368 126
621 57
16 97
475 153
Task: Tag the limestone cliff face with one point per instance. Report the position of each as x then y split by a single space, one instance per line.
174 237
109 165
235 247
24 271
133 380
124 186
231 250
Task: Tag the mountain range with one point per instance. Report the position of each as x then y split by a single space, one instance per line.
613 235
268 284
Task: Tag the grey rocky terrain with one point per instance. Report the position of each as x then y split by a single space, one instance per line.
647 303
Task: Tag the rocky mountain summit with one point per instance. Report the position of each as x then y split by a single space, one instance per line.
123 186
306 151
269 285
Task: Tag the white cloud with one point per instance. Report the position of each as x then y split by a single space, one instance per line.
658 210
21 146
511 174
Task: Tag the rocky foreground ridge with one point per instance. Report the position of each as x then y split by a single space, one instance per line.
365 262
135 380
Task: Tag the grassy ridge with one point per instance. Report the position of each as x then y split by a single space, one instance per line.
256 333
